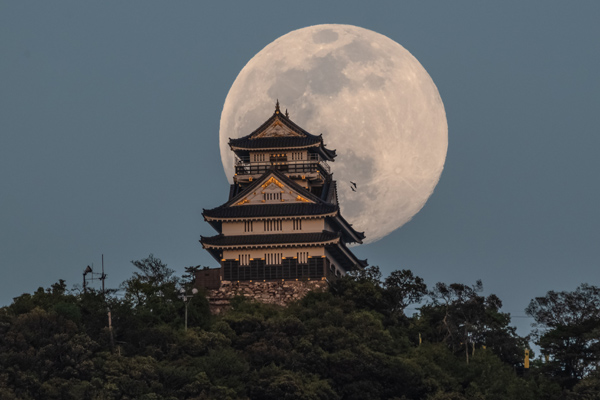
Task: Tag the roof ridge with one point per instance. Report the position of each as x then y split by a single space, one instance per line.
286 121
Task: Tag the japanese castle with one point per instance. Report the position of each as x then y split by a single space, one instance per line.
282 220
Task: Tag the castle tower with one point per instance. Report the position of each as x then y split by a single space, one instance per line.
282 220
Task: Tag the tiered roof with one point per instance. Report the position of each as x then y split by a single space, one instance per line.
271 240
245 203
331 240
270 210
313 207
279 133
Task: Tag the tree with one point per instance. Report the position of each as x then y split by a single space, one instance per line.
363 288
568 331
466 319
190 274
154 281
403 289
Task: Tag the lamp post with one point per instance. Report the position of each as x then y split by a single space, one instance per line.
186 297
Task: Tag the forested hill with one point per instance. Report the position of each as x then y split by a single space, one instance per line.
353 342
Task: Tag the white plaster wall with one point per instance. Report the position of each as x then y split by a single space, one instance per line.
286 252
237 228
308 225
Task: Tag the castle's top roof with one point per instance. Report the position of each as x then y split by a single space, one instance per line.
279 132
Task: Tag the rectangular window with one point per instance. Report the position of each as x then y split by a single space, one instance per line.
273 225
302 257
273 258
271 196
244 259
297 224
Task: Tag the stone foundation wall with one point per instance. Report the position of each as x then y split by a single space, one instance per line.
280 293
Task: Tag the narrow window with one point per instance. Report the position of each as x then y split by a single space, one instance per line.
273 258
244 259
297 224
302 257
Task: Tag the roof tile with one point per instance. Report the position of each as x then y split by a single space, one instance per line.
282 238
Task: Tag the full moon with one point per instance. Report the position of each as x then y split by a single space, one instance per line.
372 101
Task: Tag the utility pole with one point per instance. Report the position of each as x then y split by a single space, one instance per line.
110 330
103 276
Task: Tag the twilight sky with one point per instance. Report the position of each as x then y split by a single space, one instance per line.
109 136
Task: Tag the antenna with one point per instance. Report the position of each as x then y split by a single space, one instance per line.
90 270
103 276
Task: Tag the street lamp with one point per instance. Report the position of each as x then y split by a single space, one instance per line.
186 297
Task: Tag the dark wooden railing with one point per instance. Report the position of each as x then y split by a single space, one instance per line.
259 169
243 166
290 268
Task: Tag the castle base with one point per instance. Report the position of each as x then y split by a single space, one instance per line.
280 293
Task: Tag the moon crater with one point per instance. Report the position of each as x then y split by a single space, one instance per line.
373 102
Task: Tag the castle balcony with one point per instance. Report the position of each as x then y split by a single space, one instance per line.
314 168
316 268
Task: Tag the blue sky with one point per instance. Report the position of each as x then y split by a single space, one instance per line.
109 122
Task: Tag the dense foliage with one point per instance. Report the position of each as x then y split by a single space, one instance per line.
353 342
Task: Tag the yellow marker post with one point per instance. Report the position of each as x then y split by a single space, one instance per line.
420 340
526 364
